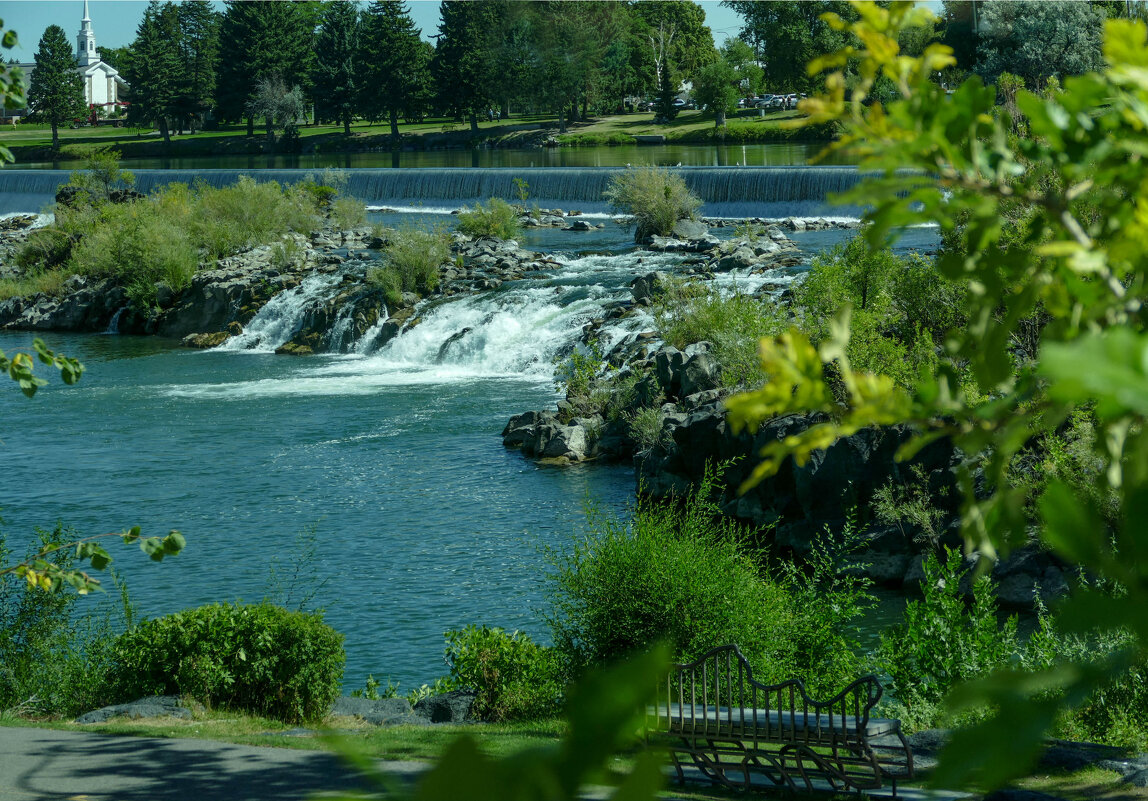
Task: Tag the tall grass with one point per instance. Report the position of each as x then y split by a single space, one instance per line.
654 196
495 218
164 238
413 257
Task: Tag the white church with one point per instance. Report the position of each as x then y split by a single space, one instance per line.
103 86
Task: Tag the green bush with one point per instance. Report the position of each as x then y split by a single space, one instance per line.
390 282
415 256
513 677
943 641
687 313
247 213
141 246
495 218
348 212
256 658
44 249
677 574
654 196
55 648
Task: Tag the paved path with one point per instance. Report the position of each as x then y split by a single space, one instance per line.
78 766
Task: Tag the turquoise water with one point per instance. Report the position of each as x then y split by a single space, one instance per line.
423 521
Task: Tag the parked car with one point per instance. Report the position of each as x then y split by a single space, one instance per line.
765 101
679 103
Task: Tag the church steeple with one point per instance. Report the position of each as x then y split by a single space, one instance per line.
86 52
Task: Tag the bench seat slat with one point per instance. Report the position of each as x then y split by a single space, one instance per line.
695 717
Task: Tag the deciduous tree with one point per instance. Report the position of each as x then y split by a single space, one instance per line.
788 35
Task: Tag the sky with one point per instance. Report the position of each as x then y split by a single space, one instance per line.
115 21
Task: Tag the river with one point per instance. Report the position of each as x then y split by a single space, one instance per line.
388 462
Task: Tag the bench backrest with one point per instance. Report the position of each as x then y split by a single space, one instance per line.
716 695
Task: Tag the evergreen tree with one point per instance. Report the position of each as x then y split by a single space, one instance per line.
337 64
667 93
395 63
56 93
463 67
199 51
259 41
155 68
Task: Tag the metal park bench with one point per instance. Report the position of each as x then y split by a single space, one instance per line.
735 731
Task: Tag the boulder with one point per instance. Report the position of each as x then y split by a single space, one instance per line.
378 712
450 707
668 363
209 340
157 706
648 286
690 230
701 372
741 258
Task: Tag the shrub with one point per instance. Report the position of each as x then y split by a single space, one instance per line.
513 677
242 215
495 218
646 428
415 256
141 246
942 641
687 313
677 574
55 655
44 249
655 197
390 282
347 213
257 658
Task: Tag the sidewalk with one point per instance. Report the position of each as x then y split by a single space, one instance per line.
76 766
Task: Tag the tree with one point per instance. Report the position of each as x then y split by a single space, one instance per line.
787 35
665 110
1078 274
279 107
395 64
155 68
1039 40
337 64
11 84
199 54
740 56
676 33
258 41
56 94
463 68
716 87
959 33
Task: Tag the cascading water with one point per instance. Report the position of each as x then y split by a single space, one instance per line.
725 191
283 315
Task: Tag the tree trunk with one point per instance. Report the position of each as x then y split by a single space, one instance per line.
395 124
504 111
585 107
347 124
270 146
163 129
719 118
473 122
250 125
574 110
561 122
55 136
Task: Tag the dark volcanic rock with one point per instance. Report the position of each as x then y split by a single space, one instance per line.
153 707
451 707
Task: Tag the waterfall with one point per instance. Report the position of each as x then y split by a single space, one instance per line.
520 329
283 315
725 191
114 323
367 342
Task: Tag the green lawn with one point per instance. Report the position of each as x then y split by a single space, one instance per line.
31 142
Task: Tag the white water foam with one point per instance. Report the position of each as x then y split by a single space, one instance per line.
282 316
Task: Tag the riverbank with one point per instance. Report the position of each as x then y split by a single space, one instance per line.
32 144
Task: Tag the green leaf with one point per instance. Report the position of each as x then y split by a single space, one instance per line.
1071 524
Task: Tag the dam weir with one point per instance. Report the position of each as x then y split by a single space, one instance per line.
725 191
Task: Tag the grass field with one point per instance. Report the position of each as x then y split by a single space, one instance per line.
31 142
